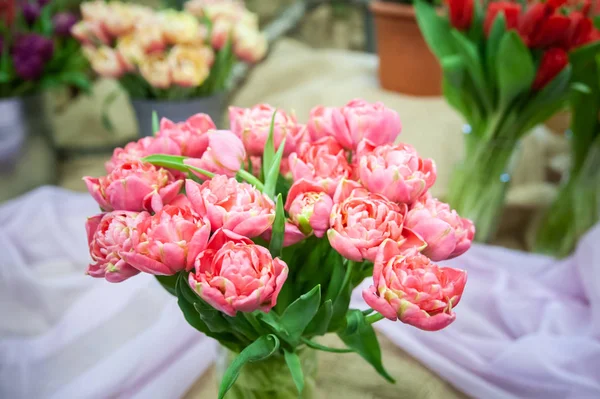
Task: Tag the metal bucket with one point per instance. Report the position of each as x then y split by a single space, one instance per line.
27 154
177 111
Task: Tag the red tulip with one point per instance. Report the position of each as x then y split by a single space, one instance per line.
579 32
461 13
540 27
553 61
511 11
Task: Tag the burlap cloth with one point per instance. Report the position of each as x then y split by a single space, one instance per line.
295 77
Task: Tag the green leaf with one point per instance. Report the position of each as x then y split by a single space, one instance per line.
320 323
584 54
516 70
259 350
300 312
360 336
493 44
278 229
45 20
319 347
269 151
169 283
545 103
185 300
435 29
470 56
77 79
155 123
293 363
273 175
175 162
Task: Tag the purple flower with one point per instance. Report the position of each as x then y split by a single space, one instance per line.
63 21
32 43
30 53
42 3
31 12
28 66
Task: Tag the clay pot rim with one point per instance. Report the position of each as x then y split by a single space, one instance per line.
389 9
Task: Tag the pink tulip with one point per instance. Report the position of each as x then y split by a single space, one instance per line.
320 123
168 241
132 152
249 44
447 234
189 135
134 186
360 120
309 208
224 155
363 221
411 288
323 163
232 205
109 234
237 275
395 171
220 33
252 125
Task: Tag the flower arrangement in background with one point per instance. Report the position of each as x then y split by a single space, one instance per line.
37 51
165 54
577 206
264 258
507 67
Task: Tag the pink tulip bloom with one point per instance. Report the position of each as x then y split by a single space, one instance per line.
108 235
233 274
323 163
361 222
320 123
132 152
395 171
168 241
252 125
360 120
189 135
411 288
447 234
309 208
134 186
224 155
220 33
232 205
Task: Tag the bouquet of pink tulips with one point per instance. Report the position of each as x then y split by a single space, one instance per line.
263 232
166 54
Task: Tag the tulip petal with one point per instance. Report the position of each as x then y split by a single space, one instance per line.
379 304
146 264
344 246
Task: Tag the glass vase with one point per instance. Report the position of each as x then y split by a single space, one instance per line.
269 378
480 181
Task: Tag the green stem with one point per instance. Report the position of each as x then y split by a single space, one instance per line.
349 269
374 318
252 320
250 179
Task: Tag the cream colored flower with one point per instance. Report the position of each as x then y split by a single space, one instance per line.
155 69
189 65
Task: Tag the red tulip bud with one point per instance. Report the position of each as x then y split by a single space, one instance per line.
553 61
511 12
461 13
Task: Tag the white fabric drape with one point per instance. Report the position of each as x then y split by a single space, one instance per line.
527 327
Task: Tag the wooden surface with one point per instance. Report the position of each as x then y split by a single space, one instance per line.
348 376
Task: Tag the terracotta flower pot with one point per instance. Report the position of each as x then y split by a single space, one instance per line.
406 64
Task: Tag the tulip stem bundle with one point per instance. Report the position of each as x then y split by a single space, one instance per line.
507 67
262 233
